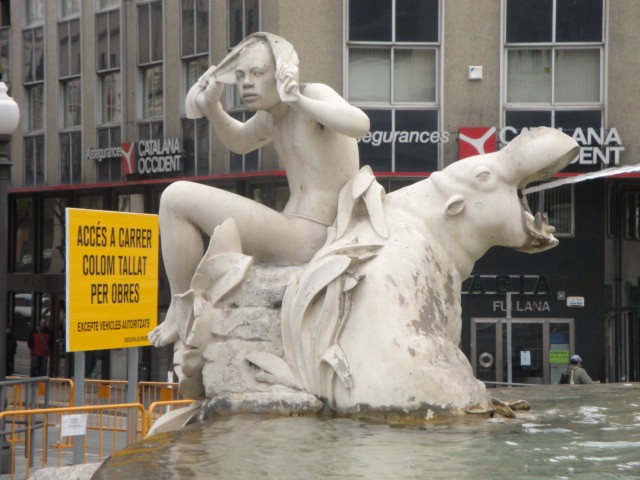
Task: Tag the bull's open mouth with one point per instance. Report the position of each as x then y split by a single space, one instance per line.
537 227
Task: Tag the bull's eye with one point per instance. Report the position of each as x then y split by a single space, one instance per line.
483 175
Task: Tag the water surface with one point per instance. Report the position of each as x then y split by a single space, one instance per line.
571 432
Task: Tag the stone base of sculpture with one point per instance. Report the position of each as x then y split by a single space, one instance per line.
246 322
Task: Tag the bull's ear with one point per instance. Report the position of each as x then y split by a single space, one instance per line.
455 204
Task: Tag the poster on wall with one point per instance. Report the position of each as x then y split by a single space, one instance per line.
111 279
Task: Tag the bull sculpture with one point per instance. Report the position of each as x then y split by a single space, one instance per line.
373 321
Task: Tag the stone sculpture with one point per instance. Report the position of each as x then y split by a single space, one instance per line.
373 321
369 321
314 132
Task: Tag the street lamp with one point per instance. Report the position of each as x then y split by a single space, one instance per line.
9 118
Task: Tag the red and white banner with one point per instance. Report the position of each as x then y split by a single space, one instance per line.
128 162
476 141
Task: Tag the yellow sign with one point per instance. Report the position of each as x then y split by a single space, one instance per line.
112 279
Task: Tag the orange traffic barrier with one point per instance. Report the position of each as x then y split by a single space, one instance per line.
61 392
20 396
97 392
97 427
151 392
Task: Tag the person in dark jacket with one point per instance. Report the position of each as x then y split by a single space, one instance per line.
575 374
40 343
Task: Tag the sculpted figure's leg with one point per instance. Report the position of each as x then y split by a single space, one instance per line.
182 249
187 210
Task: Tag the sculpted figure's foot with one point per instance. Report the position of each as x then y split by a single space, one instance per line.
178 317
164 334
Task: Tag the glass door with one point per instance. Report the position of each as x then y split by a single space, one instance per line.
540 349
527 351
486 362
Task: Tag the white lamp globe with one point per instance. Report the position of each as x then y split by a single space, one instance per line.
9 112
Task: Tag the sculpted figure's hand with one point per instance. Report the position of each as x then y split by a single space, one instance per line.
288 87
203 93
210 94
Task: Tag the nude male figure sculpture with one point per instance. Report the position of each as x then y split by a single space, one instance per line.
314 131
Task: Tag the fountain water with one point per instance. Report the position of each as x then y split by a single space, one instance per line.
585 432
606 172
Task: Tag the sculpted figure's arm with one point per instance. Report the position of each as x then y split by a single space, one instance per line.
239 137
322 103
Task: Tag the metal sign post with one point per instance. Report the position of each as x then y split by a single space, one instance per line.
509 346
78 399
132 376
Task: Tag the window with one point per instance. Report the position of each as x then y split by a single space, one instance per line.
108 64
244 19
108 40
195 61
22 234
70 157
393 54
110 98
71 95
34 160
5 15
195 27
35 107
33 54
33 78
108 168
108 54
152 92
34 12
554 54
195 143
272 194
105 4
150 56
69 47
4 55
71 101
53 238
151 130
69 8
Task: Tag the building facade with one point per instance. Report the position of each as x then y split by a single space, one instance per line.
101 86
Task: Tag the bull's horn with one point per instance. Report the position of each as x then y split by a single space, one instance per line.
537 155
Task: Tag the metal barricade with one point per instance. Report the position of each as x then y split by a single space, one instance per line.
96 431
18 393
152 392
21 393
99 392
62 391
56 392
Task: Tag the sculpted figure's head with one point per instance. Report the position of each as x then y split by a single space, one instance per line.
255 75
263 54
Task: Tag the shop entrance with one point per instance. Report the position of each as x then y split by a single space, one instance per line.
540 349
